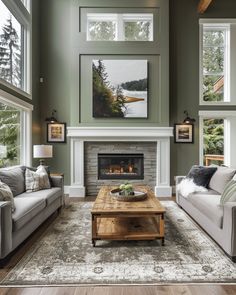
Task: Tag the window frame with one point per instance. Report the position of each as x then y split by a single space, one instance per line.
26 123
228 95
20 12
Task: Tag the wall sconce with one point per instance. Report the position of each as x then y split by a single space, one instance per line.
53 118
187 119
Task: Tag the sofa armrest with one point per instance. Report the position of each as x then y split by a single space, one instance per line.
229 226
178 179
5 229
57 181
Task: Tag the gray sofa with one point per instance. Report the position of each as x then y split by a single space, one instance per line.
32 209
218 221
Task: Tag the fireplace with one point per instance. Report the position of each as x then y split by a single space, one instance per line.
120 166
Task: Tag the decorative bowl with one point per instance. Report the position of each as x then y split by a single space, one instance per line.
135 197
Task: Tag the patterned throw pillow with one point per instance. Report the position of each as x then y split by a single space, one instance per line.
7 195
229 192
36 180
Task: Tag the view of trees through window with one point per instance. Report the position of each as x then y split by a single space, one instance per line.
213 135
214 47
10 48
119 27
9 135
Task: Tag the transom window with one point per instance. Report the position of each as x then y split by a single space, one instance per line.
119 27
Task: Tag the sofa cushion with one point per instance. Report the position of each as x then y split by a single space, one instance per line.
201 175
26 209
49 195
220 178
14 178
209 205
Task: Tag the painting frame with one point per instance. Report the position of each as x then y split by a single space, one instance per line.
56 132
183 133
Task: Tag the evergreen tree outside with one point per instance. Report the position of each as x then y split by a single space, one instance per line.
10 134
102 31
213 136
137 31
213 63
10 54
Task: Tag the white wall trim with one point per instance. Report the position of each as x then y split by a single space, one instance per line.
160 135
217 114
15 101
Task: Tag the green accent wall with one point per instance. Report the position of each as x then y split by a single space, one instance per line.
184 73
66 63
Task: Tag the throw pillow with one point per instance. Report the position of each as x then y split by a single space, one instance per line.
201 175
228 193
36 180
31 181
14 178
7 195
187 187
221 178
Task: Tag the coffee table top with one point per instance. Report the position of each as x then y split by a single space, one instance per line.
104 203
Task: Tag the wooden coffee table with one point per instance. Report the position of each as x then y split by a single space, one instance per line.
115 220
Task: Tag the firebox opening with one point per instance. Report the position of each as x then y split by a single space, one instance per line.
120 166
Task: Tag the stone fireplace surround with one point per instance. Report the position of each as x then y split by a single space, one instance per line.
160 135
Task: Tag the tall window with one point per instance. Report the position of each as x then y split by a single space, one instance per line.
11 45
119 27
15 26
10 135
215 62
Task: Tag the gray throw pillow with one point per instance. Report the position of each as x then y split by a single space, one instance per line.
201 175
6 195
220 178
14 178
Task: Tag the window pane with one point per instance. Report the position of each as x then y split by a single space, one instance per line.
10 48
102 31
137 31
9 135
213 133
213 88
213 60
213 37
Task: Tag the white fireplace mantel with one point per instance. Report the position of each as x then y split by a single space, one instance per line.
160 135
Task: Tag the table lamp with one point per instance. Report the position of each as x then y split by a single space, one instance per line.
42 152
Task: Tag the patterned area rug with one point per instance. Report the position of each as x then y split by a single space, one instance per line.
64 255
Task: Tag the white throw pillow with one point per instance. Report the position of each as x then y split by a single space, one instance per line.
187 187
7 195
36 180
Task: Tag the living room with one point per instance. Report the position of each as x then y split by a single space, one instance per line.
117 162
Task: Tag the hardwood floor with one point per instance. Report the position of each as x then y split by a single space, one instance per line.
197 289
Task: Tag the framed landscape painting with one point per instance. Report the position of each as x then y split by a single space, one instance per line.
56 132
183 133
120 88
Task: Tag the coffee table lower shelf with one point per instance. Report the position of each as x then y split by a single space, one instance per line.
127 227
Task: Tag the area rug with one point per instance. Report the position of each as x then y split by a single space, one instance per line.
64 255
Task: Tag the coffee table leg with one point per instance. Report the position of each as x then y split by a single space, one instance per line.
163 241
94 229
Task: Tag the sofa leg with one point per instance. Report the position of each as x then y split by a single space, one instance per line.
59 210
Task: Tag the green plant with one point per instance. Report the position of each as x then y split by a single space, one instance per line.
126 189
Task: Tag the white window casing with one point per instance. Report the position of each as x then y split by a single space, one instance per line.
229 27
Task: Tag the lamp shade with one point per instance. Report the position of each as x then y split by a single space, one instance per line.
42 151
